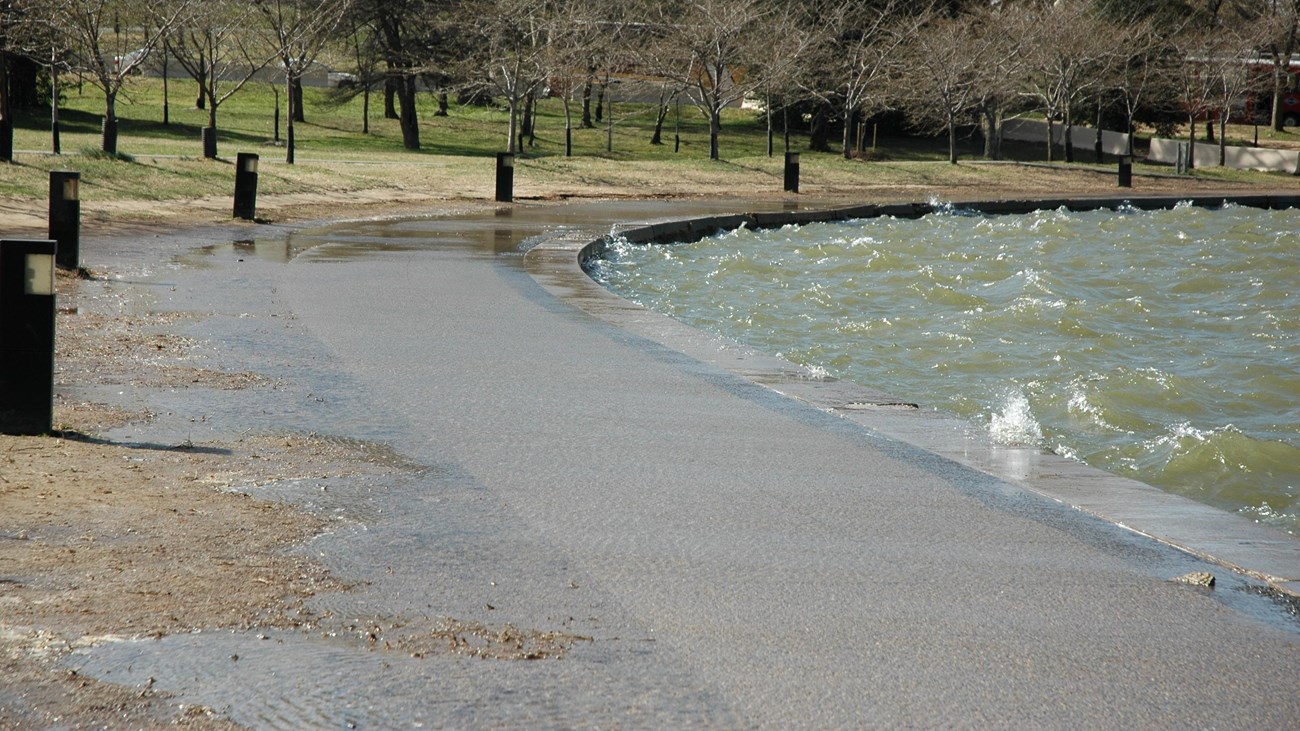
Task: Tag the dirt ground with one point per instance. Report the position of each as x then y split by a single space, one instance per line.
103 540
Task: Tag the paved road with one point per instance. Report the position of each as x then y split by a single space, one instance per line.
737 559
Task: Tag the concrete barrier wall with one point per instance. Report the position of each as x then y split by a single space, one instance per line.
1033 130
694 229
1242 158
1162 150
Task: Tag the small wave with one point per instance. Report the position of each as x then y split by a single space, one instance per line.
1192 456
948 208
1015 423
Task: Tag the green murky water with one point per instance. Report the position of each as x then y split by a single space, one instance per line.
1161 345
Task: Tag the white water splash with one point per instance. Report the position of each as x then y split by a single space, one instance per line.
1015 423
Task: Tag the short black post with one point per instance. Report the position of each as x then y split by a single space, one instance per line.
6 140
65 216
505 177
108 136
209 136
1125 171
246 185
792 172
27 336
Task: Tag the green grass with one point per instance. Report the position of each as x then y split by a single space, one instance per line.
164 162
246 122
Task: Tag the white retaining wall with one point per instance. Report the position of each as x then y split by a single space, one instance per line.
1242 158
1162 150
1084 138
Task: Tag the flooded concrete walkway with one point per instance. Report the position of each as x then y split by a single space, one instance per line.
686 547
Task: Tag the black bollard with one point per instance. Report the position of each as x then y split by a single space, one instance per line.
6 140
27 336
505 177
108 137
209 137
792 172
65 216
1125 171
246 185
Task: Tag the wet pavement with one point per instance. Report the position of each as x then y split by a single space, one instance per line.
609 525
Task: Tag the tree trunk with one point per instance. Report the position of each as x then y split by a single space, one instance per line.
443 107
391 86
1191 143
767 112
992 115
511 137
657 137
785 127
532 126
110 124
1281 72
586 105
210 150
288 130
1069 135
56 144
202 81
166 76
600 103
297 105
1097 143
715 130
819 130
365 110
1223 138
407 119
848 132
1051 132
568 127
952 141
1276 111
526 128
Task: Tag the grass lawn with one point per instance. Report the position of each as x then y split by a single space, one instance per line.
163 162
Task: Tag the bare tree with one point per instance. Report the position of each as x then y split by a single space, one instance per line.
407 36
859 58
1228 77
997 80
298 30
1071 48
30 35
213 44
1193 80
794 37
575 33
708 46
11 18
366 54
1283 27
1143 70
512 58
941 65
108 58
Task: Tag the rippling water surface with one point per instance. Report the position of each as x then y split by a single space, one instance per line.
1160 345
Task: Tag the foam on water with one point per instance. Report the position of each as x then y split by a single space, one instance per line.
1015 424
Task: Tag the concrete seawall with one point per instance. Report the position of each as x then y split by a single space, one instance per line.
1206 532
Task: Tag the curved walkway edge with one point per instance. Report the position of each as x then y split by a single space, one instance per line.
557 262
